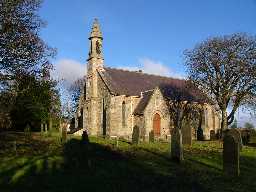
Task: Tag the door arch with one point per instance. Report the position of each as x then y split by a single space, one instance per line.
156 124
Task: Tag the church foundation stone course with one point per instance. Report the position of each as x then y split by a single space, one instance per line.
116 101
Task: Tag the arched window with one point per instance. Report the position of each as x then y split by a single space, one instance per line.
206 117
123 114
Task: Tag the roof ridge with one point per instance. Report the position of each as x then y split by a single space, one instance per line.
143 73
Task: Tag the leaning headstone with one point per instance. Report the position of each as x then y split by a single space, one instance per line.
176 145
231 153
135 135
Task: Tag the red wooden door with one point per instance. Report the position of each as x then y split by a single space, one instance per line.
156 124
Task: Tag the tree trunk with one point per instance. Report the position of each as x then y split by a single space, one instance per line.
224 121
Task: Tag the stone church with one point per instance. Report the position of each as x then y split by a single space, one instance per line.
114 101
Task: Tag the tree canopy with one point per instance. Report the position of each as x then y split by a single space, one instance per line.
25 63
224 68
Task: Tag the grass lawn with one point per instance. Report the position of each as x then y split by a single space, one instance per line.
45 164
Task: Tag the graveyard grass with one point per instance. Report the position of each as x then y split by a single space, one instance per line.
44 163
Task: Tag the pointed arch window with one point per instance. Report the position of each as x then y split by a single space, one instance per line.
123 115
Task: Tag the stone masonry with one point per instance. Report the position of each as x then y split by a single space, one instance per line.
114 101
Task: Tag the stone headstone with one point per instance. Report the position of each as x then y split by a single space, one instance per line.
27 132
212 135
114 137
64 134
168 138
135 135
85 138
151 136
231 153
200 134
176 146
237 135
186 134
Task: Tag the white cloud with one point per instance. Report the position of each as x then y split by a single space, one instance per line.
68 70
243 115
154 67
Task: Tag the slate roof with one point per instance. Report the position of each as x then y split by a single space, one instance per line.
132 83
143 102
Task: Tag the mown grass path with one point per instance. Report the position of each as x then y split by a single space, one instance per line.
45 164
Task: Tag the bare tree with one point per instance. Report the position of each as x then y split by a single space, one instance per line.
225 69
76 90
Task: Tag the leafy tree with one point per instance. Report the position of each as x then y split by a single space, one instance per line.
234 125
22 51
225 69
24 64
248 125
37 101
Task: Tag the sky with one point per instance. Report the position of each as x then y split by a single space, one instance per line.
141 34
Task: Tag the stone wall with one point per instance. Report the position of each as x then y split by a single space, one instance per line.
157 104
211 120
95 121
122 105
103 114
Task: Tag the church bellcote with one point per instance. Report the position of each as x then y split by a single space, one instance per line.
95 58
94 61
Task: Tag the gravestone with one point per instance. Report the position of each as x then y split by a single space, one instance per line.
237 134
64 134
114 137
186 134
212 135
231 153
151 136
85 138
27 132
42 128
135 135
176 145
200 134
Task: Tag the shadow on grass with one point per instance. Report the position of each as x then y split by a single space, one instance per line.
91 167
251 144
95 167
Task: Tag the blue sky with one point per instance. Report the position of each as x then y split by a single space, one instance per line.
147 34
